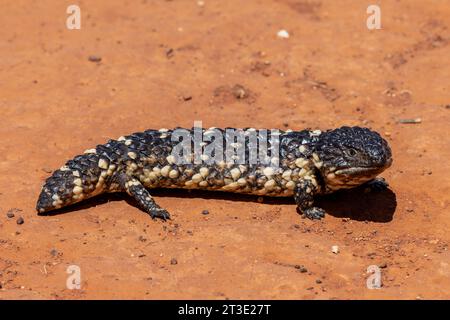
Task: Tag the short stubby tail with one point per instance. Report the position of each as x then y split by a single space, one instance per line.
78 179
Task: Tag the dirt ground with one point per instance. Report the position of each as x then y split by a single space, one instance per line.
169 63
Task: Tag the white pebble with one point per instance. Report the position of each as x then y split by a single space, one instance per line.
335 249
283 34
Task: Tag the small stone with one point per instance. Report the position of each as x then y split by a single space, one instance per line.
169 53
54 253
410 121
11 212
205 212
318 281
283 34
335 249
239 92
94 58
47 170
173 261
301 268
20 220
382 265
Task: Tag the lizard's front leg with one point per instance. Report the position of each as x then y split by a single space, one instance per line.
304 198
378 184
135 189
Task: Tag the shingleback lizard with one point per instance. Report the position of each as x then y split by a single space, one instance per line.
309 163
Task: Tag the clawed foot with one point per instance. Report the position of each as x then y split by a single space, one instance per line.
378 184
159 213
314 213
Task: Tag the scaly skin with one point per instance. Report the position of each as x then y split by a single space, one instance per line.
310 163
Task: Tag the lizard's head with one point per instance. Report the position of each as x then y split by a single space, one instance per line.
350 156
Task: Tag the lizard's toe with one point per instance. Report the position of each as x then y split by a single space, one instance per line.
314 213
377 185
160 213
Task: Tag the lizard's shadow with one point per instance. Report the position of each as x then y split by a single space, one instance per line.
358 204
355 204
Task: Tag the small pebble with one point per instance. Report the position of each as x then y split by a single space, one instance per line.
169 53
205 212
20 220
283 34
173 261
318 281
301 268
410 121
239 92
11 212
94 58
383 265
54 253
335 249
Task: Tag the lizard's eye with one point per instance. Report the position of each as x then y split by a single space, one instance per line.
352 152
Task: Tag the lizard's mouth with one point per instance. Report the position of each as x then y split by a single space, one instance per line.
364 170
359 171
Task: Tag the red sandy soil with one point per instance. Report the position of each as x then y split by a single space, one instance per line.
331 71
